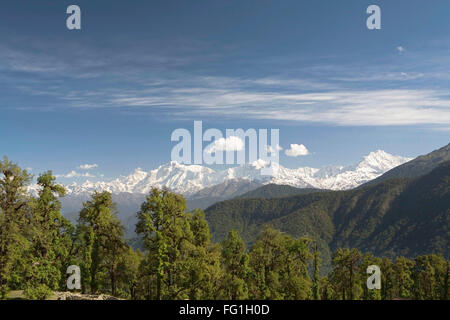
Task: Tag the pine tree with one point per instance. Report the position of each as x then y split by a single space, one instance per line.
128 274
430 277
316 266
403 278
51 240
367 260
101 244
164 225
345 277
235 262
326 289
202 267
279 266
14 221
387 279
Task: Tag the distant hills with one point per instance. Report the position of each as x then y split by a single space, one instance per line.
224 191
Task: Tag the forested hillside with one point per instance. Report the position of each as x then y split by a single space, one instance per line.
395 217
276 191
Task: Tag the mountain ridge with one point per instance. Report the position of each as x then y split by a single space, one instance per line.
190 179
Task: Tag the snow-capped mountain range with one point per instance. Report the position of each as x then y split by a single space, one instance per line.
189 179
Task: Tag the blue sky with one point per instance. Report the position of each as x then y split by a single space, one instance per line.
112 93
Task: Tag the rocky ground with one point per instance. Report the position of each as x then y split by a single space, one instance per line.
79 296
18 295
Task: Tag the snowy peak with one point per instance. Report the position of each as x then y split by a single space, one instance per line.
189 179
381 161
372 166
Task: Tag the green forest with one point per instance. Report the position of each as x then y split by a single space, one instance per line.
177 258
396 217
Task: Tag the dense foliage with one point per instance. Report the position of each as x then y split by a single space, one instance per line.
271 190
179 261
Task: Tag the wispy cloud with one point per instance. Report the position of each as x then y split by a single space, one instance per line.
88 166
378 107
271 149
86 60
346 107
74 174
329 94
385 76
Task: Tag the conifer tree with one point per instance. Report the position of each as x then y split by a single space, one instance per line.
279 266
235 262
387 279
14 221
51 239
367 260
203 266
128 274
101 244
316 266
403 278
345 277
163 223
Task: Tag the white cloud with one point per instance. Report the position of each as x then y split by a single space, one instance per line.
74 174
272 149
400 49
296 150
88 166
232 143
